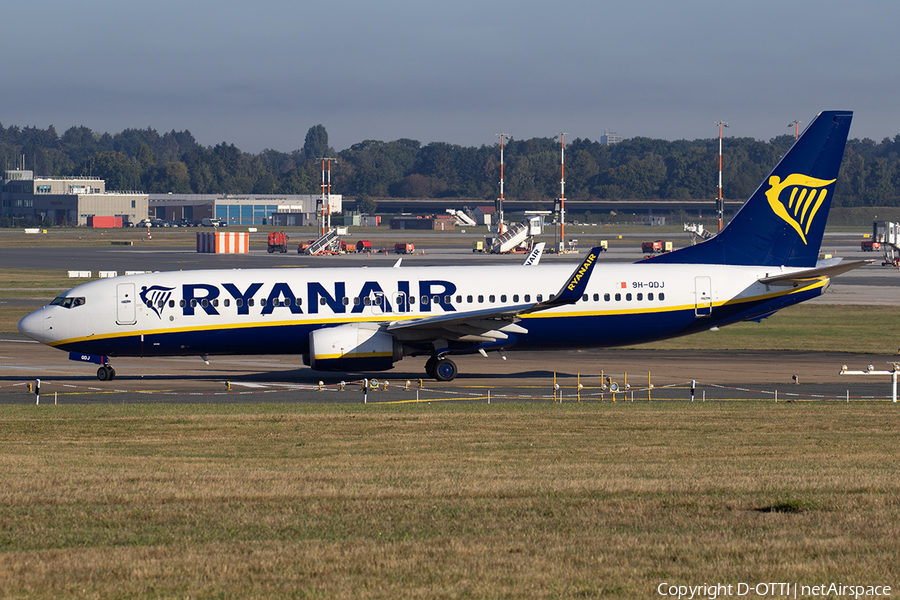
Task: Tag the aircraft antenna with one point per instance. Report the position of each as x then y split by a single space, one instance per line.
720 204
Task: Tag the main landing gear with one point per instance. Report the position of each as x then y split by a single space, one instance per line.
441 368
106 373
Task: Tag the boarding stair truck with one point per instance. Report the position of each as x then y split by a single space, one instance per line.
328 243
461 217
517 237
698 231
278 242
888 235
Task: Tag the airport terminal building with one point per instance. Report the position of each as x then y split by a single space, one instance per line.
243 209
66 200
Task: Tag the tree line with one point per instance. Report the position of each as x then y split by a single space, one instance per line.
638 168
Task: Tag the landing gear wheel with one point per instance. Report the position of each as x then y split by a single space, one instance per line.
106 373
445 370
430 364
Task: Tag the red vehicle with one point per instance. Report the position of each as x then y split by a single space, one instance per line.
363 246
278 242
656 247
870 246
401 248
652 247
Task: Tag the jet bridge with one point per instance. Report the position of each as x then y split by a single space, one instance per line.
888 235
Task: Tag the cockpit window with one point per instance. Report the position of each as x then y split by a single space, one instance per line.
67 301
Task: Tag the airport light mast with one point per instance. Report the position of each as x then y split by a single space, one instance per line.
326 203
720 204
500 200
561 247
796 126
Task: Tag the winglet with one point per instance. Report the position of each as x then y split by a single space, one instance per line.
576 283
535 256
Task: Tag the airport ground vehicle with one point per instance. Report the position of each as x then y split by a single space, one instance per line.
869 246
656 247
404 248
278 242
363 246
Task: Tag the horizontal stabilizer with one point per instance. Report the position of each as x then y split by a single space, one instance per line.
811 275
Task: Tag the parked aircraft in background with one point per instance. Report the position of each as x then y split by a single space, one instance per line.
366 319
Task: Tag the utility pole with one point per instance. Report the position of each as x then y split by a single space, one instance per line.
796 126
720 204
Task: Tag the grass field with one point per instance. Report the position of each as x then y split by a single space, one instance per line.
437 501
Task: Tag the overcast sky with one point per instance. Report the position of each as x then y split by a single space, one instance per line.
259 74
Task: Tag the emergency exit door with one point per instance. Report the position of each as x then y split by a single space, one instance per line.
702 296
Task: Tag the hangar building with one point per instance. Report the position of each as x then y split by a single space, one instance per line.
243 209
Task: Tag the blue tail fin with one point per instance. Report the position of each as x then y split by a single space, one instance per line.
783 221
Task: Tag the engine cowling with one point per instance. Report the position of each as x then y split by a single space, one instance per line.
353 347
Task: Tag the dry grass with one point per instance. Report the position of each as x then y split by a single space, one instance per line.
865 329
502 501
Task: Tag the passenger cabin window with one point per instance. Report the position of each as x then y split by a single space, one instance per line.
606 297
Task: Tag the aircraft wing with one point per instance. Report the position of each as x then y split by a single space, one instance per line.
495 323
829 269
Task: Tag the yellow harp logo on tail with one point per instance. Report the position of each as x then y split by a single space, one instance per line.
800 207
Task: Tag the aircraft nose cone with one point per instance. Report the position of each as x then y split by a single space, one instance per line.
33 325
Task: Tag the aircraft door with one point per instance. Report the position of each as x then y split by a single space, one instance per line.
703 296
125 304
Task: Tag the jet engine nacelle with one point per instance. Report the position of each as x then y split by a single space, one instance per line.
353 347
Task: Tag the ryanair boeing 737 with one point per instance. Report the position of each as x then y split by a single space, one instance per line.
366 319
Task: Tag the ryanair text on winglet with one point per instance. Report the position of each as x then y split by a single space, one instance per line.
580 273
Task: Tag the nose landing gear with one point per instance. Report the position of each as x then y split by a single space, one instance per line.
106 373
